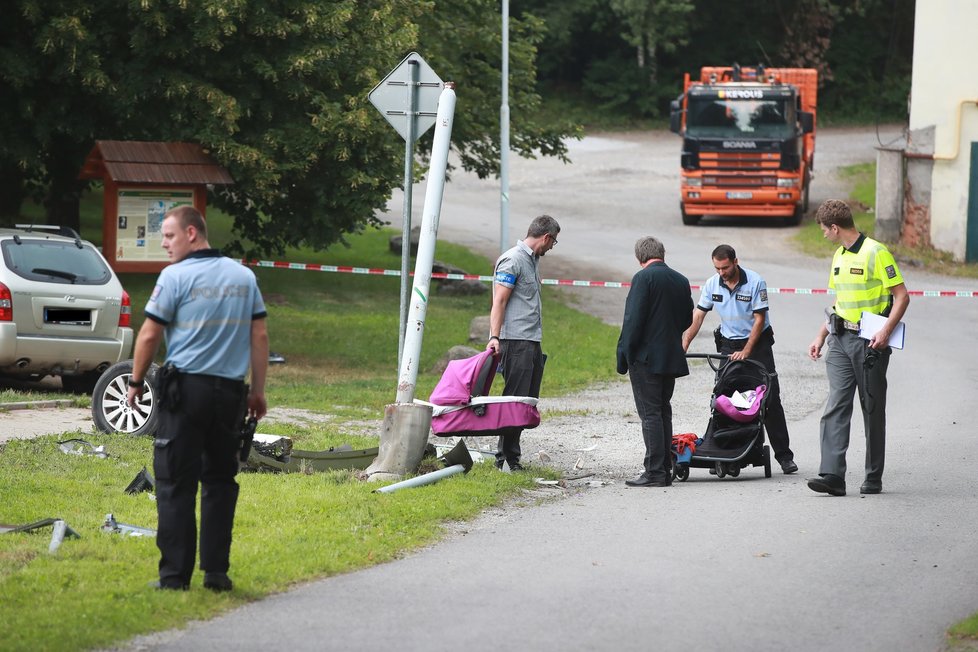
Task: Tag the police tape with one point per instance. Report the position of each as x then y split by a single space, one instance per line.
375 271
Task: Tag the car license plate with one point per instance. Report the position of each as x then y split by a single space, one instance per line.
67 317
740 195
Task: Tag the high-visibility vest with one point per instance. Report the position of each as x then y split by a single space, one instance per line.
862 278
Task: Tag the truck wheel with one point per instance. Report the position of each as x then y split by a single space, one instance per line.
110 412
688 220
804 201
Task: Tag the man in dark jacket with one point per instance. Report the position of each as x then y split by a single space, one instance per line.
650 349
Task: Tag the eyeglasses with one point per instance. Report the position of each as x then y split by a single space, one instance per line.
553 238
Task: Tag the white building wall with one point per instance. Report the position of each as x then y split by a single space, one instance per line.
943 112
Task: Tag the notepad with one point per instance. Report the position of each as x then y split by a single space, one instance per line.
870 324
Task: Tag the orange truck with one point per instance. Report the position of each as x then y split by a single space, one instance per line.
748 142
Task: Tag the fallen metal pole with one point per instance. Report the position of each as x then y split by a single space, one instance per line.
422 480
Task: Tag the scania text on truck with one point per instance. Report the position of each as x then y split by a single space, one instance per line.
748 142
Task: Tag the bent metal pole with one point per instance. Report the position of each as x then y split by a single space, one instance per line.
414 332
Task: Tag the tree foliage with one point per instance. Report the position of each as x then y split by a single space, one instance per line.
862 48
276 90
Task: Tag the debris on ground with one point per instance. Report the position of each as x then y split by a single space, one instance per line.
60 531
81 447
142 482
112 526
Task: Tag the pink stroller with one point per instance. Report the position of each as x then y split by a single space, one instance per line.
461 405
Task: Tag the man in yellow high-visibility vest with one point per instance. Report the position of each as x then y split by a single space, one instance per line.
865 278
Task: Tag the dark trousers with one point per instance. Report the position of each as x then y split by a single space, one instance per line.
774 420
653 396
521 363
851 366
197 442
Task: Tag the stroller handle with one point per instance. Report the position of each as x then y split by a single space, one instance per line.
716 360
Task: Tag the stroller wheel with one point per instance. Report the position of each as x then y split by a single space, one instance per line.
733 471
767 461
721 470
682 472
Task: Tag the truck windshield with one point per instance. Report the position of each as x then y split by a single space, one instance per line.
736 118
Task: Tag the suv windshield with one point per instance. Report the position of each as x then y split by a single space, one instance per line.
726 118
55 261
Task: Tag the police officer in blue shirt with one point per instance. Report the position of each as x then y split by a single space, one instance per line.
740 297
209 310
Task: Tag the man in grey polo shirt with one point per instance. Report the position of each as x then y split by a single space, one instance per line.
516 324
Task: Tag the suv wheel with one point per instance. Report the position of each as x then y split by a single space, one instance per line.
112 414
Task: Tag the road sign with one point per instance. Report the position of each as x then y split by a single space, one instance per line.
392 96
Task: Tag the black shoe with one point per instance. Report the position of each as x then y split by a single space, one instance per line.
870 487
515 466
217 582
641 481
828 484
789 467
645 480
168 586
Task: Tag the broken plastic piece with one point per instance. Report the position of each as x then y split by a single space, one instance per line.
81 447
142 482
114 527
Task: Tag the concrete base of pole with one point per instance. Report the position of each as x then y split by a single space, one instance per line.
403 438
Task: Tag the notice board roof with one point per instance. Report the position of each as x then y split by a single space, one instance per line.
130 161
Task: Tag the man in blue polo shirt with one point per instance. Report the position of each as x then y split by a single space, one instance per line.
211 313
740 297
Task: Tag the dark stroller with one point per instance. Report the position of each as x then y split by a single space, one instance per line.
734 436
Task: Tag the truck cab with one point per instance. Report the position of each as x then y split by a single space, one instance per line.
748 142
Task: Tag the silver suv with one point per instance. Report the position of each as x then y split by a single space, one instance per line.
63 311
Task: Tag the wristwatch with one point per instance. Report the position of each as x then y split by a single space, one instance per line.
138 384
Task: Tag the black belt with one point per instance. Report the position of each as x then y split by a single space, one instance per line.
841 324
216 381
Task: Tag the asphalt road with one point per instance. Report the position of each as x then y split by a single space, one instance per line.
733 564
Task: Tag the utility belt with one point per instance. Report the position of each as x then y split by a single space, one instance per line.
839 324
169 398
169 386
767 337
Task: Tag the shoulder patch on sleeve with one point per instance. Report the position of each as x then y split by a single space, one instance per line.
717 298
503 277
890 271
156 292
764 295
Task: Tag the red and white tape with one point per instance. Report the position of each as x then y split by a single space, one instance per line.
345 269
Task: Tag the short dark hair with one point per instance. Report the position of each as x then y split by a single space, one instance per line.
835 211
648 248
724 252
543 225
189 216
